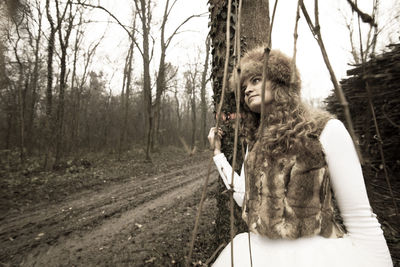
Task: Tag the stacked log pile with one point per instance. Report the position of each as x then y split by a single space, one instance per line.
382 76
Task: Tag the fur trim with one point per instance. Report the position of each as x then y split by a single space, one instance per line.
279 69
290 196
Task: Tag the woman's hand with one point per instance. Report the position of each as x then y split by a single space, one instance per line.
214 137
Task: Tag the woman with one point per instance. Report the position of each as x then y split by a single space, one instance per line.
301 157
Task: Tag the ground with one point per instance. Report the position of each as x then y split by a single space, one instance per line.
112 213
107 212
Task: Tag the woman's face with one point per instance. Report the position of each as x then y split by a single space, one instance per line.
252 90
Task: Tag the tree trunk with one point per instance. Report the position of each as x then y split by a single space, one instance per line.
160 78
75 92
145 17
254 29
159 91
203 132
49 90
20 98
125 98
60 109
34 82
193 108
178 113
64 45
21 104
254 23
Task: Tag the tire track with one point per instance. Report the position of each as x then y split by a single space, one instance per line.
63 224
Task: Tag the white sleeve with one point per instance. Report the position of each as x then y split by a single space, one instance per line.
225 171
349 190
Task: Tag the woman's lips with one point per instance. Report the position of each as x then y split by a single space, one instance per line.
251 97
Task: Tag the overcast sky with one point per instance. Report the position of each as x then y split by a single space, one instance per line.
184 49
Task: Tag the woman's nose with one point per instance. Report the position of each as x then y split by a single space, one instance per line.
248 90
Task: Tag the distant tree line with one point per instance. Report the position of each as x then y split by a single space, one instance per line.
55 104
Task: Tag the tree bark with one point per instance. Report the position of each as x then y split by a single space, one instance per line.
177 109
145 17
125 99
193 108
203 104
49 90
254 23
254 28
34 83
160 84
20 98
75 90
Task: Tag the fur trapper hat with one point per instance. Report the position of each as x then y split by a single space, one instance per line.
279 69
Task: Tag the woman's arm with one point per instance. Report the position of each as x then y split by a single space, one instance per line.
225 171
349 189
224 168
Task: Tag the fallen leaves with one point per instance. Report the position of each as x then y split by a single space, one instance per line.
39 236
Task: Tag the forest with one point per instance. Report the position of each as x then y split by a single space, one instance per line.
57 104
105 108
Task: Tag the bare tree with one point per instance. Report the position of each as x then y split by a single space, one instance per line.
144 11
75 93
49 92
35 75
191 82
21 101
203 103
164 44
64 42
177 109
127 85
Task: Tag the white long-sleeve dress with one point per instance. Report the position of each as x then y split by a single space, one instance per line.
363 245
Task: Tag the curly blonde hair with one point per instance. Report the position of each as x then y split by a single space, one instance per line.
289 123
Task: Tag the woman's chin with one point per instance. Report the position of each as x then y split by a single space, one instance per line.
255 108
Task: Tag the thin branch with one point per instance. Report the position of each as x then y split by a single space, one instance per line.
388 119
377 130
364 16
380 142
338 90
169 11
115 18
203 195
295 36
209 260
267 50
272 22
105 10
235 142
152 48
177 28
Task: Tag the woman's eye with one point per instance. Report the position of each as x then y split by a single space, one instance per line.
256 80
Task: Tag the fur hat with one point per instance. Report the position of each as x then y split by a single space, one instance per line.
279 69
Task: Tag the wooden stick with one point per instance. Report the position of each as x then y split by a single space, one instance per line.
380 142
203 195
209 260
372 109
267 50
338 90
295 36
235 143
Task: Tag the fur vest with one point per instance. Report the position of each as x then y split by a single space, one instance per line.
290 196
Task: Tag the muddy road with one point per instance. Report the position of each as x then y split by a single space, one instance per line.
141 221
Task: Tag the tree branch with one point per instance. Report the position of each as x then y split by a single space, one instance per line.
115 18
167 43
338 90
364 16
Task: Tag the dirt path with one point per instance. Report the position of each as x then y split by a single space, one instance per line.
125 224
